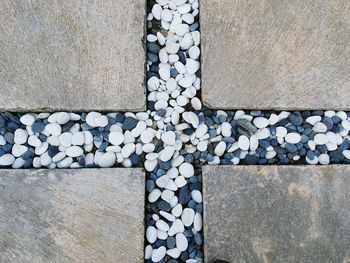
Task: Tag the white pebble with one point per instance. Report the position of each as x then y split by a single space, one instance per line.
6 159
293 137
186 170
74 151
320 139
281 132
53 128
107 160
261 122
78 138
187 216
27 119
20 136
196 196
151 234
220 148
181 242
158 254
116 138
243 143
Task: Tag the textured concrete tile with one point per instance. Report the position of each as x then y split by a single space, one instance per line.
72 55
276 54
85 215
277 213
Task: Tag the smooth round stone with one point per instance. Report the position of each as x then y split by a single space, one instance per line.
253 143
198 222
27 119
58 157
192 66
226 129
220 149
148 251
172 47
128 149
196 103
151 234
162 225
171 84
74 151
116 138
313 119
153 83
186 170
166 15
243 143
281 132
201 130
34 141
169 137
7 159
45 159
147 136
202 146
323 158
177 210
78 138
154 195
185 82
150 165
140 127
187 217
157 11
175 253
194 52
346 154
42 148
346 124
293 137
18 150
181 242
20 136
66 139
107 160
193 119
319 127
166 154
196 196
53 128
167 216
273 119
158 254
261 122
90 118
320 139
63 117
180 181
18 163
101 121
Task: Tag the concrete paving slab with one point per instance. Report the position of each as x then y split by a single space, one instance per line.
72 55
85 215
276 54
277 213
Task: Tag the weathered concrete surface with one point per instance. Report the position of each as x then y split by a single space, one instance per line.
277 213
276 54
87 215
72 55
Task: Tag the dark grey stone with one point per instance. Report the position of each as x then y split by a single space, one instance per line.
277 213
